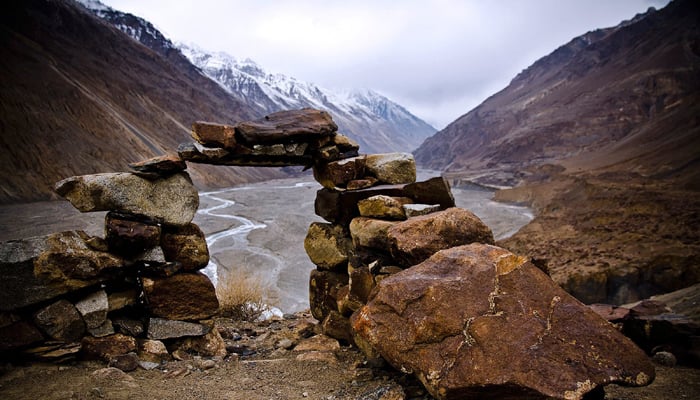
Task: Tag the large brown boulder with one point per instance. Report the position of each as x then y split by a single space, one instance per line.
416 239
172 200
477 321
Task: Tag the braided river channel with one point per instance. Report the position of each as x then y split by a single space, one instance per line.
256 233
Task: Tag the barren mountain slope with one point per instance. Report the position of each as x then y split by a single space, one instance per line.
623 98
77 96
602 138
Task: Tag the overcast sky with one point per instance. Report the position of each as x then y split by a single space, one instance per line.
437 58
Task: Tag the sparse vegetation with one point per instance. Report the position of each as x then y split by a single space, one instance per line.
241 299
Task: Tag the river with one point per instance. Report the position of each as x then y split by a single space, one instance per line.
257 232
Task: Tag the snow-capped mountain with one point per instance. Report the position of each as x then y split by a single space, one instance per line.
375 122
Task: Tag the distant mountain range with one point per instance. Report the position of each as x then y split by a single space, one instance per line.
625 98
375 122
79 96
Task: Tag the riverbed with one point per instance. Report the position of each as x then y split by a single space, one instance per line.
253 232
257 232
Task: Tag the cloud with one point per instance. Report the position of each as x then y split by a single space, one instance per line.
437 58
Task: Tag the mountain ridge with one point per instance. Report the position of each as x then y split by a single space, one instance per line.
599 89
79 97
378 124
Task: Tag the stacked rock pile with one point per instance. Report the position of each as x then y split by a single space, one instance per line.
120 294
380 221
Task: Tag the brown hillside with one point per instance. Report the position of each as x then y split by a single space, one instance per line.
78 96
602 137
624 98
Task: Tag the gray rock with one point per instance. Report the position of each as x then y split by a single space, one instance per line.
392 168
160 329
172 200
416 210
93 309
41 268
103 330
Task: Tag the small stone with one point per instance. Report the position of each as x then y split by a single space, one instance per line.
129 327
415 210
108 347
61 321
432 191
153 351
161 166
414 240
370 232
287 126
217 135
112 374
209 345
327 245
318 343
357 184
125 362
93 309
119 300
105 329
127 235
318 356
17 334
384 207
284 344
392 168
148 365
338 173
186 245
323 292
160 329
665 358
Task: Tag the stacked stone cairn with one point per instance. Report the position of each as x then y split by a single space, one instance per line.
400 272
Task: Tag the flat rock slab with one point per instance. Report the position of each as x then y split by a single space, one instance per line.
172 200
477 321
287 126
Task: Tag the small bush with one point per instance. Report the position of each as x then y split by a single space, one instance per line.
241 299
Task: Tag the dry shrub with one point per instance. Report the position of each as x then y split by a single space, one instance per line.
241 299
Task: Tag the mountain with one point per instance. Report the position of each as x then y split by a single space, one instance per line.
375 122
78 96
602 138
623 98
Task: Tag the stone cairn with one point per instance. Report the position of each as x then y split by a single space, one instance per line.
400 272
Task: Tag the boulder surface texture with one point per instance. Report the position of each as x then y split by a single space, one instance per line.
477 321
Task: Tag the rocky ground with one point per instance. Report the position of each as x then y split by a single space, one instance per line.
610 238
267 360
280 359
